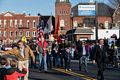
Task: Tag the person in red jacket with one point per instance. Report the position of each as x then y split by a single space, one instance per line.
14 73
41 50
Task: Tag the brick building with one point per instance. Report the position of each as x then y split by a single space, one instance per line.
14 26
70 18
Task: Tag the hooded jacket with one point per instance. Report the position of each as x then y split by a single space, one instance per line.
14 73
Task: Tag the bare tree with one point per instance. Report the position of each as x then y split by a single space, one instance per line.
114 3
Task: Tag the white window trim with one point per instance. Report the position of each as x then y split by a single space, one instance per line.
0 33
16 34
34 26
5 33
15 22
11 34
62 23
20 24
11 22
27 33
34 33
62 0
28 21
1 23
5 23
75 24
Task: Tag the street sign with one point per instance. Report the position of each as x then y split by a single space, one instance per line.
86 10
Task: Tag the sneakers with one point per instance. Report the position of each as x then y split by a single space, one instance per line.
68 70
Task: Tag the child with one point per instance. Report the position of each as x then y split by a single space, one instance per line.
67 58
14 73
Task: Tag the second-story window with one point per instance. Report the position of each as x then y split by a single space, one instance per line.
34 24
0 23
62 24
28 23
5 23
20 24
11 23
16 23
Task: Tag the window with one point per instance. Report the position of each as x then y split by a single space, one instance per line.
106 24
75 24
62 0
5 23
16 33
28 23
34 33
15 23
0 34
28 34
89 22
21 33
11 33
4 33
0 23
34 24
62 23
20 24
11 23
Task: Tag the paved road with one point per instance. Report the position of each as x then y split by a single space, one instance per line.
75 74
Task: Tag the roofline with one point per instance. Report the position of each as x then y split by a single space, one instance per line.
80 33
84 33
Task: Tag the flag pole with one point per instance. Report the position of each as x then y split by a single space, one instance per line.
51 22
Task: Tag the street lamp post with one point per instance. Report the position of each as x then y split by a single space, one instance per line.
72 28
96 20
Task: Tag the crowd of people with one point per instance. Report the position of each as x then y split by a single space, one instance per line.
45 55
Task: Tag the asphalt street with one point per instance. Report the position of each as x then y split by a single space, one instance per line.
60 74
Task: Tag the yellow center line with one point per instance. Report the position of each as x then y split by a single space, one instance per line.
75 74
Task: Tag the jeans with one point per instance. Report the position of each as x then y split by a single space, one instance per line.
43 58
83 62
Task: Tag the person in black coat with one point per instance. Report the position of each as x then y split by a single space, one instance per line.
99 58
83 56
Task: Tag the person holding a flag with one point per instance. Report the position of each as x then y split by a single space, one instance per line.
41 50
